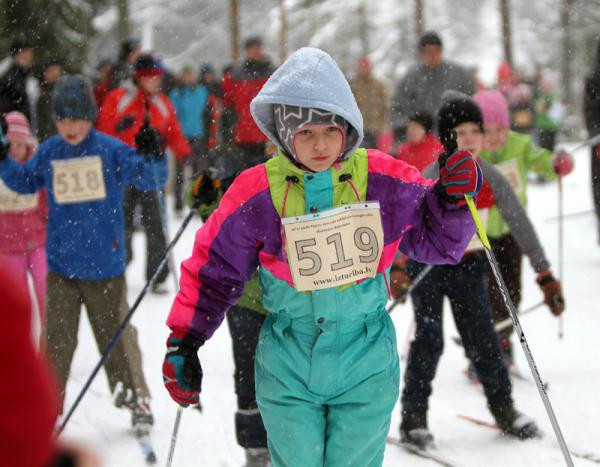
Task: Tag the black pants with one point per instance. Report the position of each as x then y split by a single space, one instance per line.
464 285
198 161
509 257
156 243
235 159
596 183
244 326
546 138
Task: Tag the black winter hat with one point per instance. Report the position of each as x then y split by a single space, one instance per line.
252 41
430 38
73 98
456 108
423 118
147 65
18 45
128 46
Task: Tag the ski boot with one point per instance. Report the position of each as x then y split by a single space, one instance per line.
141 418
514 423
414 431
257 457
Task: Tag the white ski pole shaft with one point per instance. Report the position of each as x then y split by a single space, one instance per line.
520 335
174 436
410 332
560 251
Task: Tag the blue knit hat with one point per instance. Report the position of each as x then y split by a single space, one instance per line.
73 98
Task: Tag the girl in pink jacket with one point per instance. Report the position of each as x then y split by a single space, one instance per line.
23 217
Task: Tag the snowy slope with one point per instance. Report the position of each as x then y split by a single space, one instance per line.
569 365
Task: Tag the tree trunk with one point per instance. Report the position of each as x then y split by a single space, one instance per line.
419 23
506 31
234 22
283 32
567 53
123 21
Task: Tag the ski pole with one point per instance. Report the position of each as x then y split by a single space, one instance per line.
174 435
560 249
513 314
127 318
589 142
411 287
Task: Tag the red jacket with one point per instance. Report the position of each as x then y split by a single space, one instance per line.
122 104
240 86
28 402
22 230
421 154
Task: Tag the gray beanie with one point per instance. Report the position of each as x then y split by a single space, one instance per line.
73 98
288 118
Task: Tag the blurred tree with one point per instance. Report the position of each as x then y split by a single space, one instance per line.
56 29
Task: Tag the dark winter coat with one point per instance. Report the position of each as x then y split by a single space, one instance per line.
591 99
45 122
13 91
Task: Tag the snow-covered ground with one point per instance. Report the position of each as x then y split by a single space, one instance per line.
570 366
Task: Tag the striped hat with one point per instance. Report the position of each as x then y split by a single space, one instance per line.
18 128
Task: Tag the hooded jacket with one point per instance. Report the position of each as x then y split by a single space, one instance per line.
245 232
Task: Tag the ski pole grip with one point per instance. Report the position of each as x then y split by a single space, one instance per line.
478 224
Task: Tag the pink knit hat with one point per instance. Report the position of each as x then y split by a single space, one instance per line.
18 127
494 108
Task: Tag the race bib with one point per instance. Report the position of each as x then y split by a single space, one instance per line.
510 170
78 180
11 201
475 243
334 247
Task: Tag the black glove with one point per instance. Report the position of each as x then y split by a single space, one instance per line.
125 123
4 144
147 141
205 190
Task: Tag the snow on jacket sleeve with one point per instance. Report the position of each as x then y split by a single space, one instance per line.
430 230
224 257
24 178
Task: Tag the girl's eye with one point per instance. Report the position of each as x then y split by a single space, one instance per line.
305 132
332 129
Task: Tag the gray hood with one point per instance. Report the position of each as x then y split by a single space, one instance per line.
309 78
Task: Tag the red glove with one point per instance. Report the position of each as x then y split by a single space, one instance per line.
562 163
460 175
182 373
552 292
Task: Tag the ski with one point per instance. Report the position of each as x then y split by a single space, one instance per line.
424 453
145 443
478 421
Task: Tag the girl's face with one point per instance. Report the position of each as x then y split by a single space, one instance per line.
73 131
415 132
18 149
470 137
317 147
495 136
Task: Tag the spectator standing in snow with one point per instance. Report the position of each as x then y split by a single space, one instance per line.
422 147
13 83
372 100
422 87
122 115
85 174
591 107
45 122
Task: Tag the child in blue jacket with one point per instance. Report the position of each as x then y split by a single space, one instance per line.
85 173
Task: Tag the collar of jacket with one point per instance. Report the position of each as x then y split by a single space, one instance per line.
332 191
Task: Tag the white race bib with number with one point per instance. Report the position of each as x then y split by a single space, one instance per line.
510 170
78 180
11 201
334 247
475 243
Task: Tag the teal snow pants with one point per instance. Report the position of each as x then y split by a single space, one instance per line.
326 386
